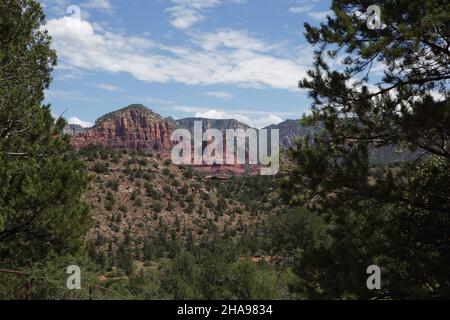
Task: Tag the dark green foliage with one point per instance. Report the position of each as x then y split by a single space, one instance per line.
113 184
149 250
221 206
293 231
184 190
125 258
181 278
41 177
398 219
157 206
46 280
188 173
100 168
190 241
214 271
152 192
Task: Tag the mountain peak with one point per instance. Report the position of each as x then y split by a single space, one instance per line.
131 109
137 106
221 124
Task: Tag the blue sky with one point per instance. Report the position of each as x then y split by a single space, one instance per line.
237 59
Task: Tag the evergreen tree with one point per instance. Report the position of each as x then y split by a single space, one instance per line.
125 259
190 241
149 250
401 219
41 177
182 277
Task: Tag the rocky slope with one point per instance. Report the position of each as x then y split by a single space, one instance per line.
142 194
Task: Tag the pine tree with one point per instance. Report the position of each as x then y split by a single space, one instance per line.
41 177
125 259
190 241
333 170
149 250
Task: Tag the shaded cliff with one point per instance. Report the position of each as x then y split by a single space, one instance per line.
291 130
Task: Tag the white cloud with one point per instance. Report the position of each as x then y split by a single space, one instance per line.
108 87
216 114
77 121
320 15
233 58
219 94
303 9
307 7
183 17
59 7
186 13
266 120
230 39
198 4
255 119
104 5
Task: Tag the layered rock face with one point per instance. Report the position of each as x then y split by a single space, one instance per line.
222 125
218 124
291 130
74 129
134 127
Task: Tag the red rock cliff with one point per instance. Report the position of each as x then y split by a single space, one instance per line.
134 127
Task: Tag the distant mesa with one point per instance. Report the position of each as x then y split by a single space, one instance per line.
136 127
219 124
291 130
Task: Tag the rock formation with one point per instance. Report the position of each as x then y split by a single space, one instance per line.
138 128
134 127
291 130
74 129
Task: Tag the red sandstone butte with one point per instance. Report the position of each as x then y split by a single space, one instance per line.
134 127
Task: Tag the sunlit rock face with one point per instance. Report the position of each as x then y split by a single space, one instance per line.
134 127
